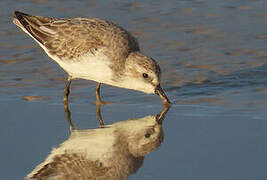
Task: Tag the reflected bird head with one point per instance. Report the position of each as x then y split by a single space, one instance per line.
143 135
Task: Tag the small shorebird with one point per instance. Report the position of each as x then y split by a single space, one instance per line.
94 49
110 153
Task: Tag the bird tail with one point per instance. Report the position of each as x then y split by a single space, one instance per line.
32 25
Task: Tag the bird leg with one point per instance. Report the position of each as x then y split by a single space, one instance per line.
67 91
97 93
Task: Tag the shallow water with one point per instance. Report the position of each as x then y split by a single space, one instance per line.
213 59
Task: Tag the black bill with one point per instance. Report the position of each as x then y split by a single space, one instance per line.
159 91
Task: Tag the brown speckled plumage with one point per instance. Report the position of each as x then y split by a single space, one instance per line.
75 37
94 49
72 166
144 61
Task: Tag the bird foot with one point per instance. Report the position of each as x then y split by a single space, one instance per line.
103 102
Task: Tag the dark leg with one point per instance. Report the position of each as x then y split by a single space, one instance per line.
97 93
67 91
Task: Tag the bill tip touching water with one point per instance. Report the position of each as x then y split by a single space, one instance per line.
94 49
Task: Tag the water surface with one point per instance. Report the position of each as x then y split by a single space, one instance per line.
213 59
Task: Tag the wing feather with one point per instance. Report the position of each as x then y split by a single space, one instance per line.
68 39
71 166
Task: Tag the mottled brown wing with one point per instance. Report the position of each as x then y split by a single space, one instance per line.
71 38
72 167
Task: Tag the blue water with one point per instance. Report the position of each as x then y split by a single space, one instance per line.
213 58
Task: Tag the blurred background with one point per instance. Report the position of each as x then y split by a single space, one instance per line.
213 59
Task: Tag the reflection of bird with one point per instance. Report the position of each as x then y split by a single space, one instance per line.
112 152
96 50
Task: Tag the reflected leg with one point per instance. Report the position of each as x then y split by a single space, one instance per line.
98 114
68 115
97 95
66 104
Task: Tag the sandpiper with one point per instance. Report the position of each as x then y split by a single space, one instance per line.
94 49
112 153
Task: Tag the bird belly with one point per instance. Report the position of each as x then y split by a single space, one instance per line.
88 67
96 71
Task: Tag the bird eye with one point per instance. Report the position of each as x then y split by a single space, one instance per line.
145 75
147 135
